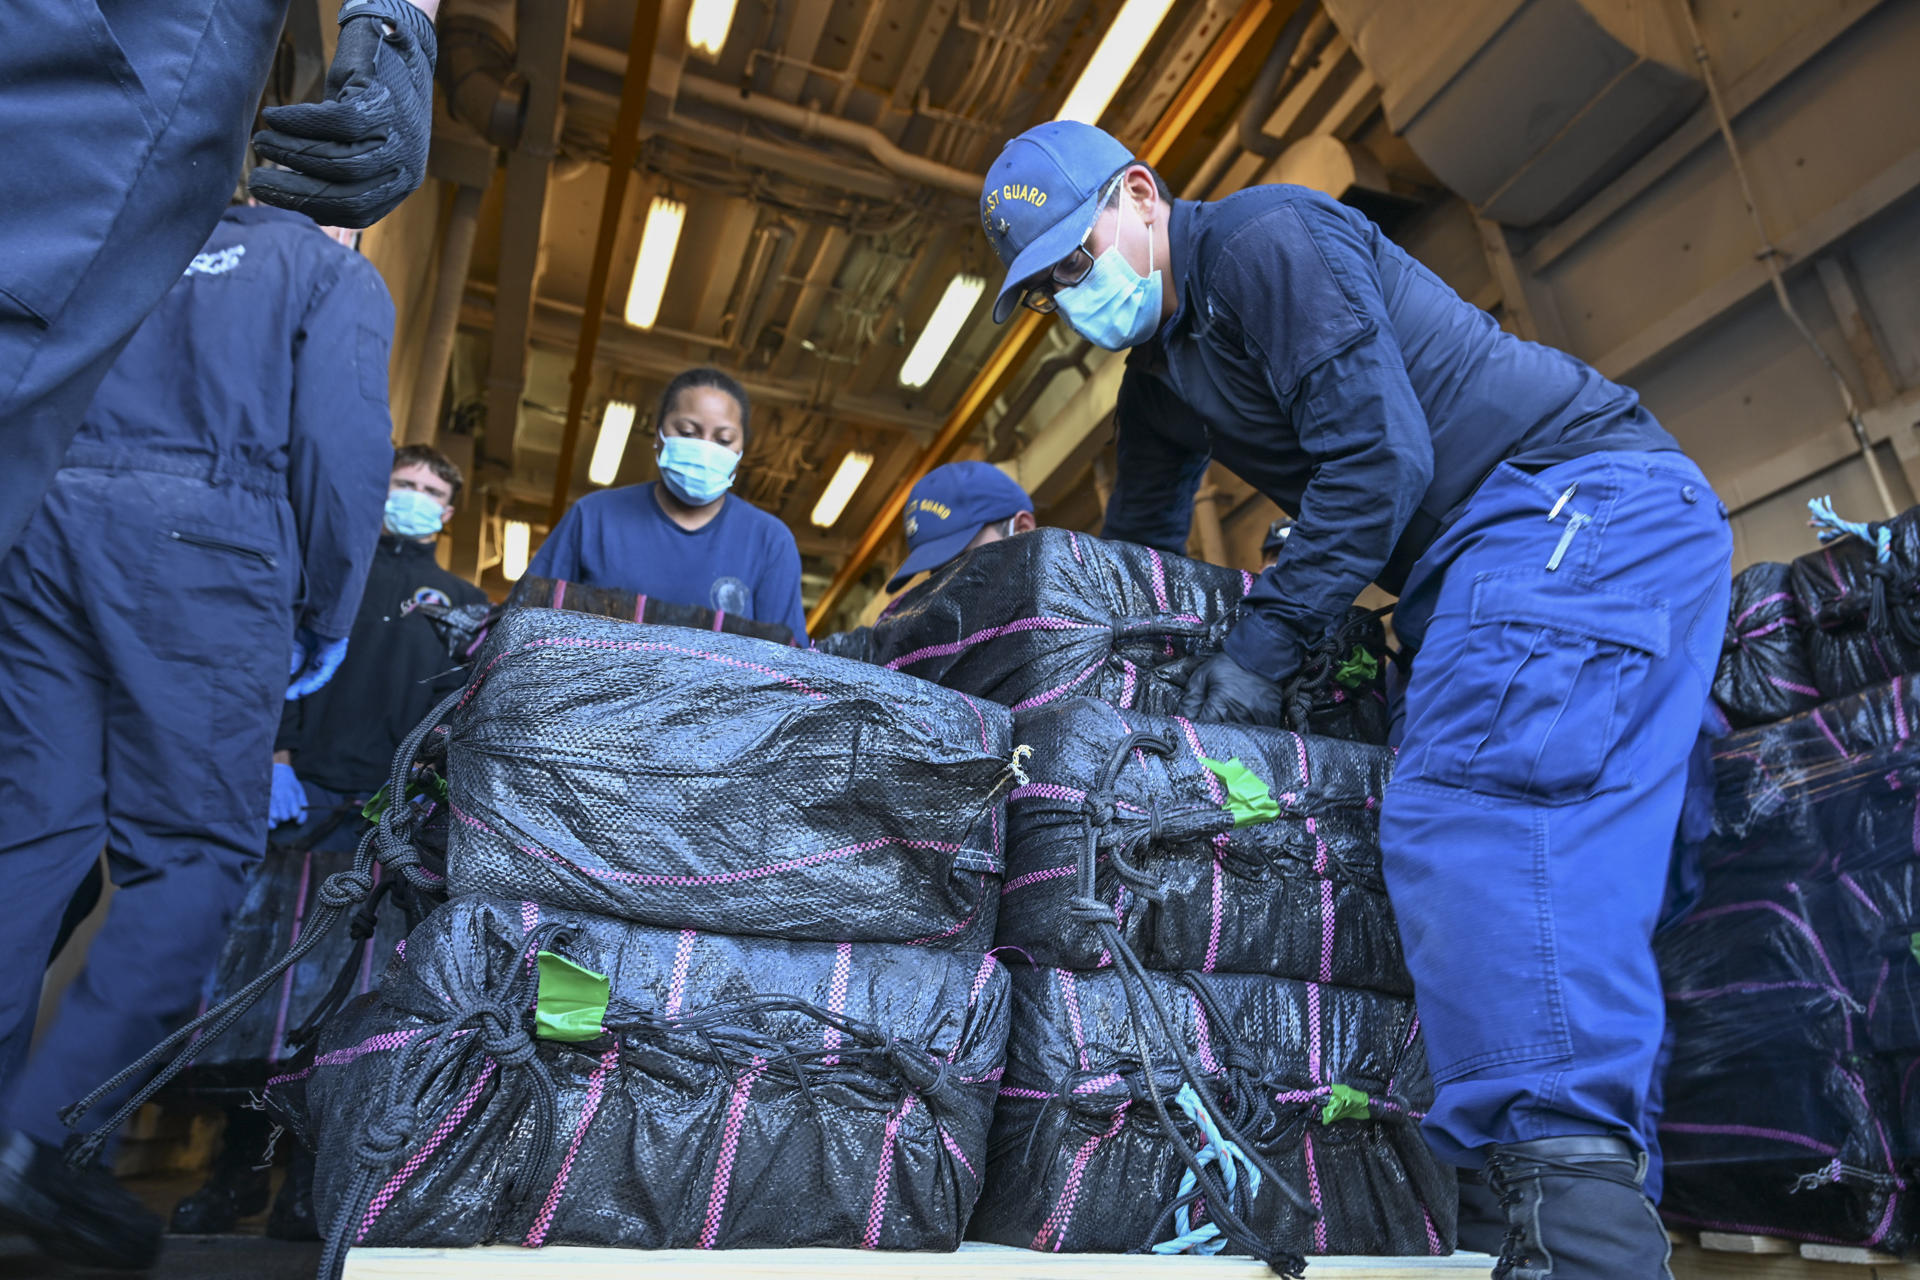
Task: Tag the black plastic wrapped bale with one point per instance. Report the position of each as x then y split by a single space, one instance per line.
1030 619
1764 672
729 784
1862 613
281 897
464 627
707 1091
1242 849
1779 1111
1328 1083
1829 791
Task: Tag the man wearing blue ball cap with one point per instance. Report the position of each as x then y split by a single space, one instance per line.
956 508
1562 574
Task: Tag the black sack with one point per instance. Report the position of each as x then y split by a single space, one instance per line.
744 1092
1764 673
1328 1083
1862 614
1829 792
722 783
1779 1114
1297 895
464 628
1042 615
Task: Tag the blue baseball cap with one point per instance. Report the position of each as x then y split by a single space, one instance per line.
948 507
1041 197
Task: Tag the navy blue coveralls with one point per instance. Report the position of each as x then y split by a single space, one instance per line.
226 485
1563 576
126 122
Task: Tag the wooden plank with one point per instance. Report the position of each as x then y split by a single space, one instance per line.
1847 1254
972 1262
1722 1242
1691 1263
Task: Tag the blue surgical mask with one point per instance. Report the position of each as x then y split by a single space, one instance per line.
1115 307
696 471
412 514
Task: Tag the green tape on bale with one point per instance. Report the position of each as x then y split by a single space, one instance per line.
1248 799
1913 945
1347 1103
572 1004
1360 667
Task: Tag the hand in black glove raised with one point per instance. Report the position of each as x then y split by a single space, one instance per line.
350 159
1222 691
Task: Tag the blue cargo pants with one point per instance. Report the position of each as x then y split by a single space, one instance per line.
1567 627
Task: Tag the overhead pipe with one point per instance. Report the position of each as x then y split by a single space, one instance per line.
778 237
623 151
1022 336
807 121
476 72
815 123
1771 254
1264 96
449 285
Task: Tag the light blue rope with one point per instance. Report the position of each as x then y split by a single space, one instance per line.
1827 523
1206 1238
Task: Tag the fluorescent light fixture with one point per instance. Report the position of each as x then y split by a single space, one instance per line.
616 423
657 242
956 304
846 478
1119 50
707 23
513 549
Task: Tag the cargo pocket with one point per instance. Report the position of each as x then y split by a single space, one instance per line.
1536 703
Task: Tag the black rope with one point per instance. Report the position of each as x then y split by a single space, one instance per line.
429 1075
339 893
1088 908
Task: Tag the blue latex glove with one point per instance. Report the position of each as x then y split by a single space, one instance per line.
314 662
1223 692
288 803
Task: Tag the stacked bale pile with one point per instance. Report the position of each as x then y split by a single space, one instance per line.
1053 614
713 970
1793 970
1214 1044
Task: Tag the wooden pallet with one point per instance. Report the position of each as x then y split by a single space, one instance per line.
1716 1255
972 1262
1713 1256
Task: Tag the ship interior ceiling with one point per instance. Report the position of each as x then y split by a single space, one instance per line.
1558 162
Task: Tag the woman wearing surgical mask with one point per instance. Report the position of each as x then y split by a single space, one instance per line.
685 538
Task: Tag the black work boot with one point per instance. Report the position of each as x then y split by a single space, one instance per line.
292 1217
1576 1211
234 1190
76 1215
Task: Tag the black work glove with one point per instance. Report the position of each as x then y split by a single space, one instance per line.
351 158
1222 691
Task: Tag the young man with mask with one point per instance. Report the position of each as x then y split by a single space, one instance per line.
333 752
683 538
1563 575
953 509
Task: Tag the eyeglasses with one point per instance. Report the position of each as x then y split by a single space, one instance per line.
1070 270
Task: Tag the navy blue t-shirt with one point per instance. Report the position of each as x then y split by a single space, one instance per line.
743 561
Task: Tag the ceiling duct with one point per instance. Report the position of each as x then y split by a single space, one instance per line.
1524 107
476 69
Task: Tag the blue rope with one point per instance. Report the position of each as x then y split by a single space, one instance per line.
1827 523
1206 1238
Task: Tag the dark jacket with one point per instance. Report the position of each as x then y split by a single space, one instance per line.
343 737
1315 359
266 367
